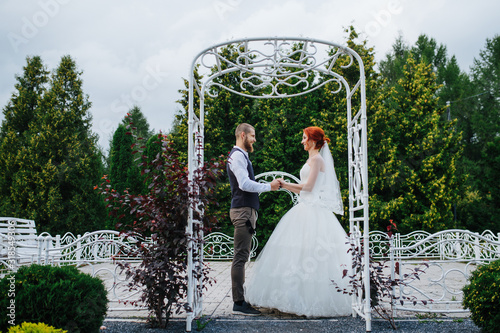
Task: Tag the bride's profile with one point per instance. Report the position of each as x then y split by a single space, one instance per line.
307 249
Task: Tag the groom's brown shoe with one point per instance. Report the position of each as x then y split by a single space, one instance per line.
245 309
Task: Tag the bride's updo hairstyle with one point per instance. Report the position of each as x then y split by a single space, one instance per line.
315 133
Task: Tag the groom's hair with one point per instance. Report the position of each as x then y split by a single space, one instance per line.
243 127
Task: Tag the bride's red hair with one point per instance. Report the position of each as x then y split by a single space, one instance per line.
315 133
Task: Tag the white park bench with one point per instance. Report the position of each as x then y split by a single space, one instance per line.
18 241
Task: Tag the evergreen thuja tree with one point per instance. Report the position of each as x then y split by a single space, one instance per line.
480 209
19 115
60 162
143 132
124 172
413 156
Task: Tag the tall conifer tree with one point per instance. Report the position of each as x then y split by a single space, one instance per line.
141 124
19 113
480 208
59 163
412 155
124 172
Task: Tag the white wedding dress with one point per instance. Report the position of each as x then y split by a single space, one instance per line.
306 251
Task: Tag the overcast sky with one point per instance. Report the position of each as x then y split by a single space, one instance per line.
137 52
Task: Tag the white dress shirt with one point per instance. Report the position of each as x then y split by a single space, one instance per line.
238 165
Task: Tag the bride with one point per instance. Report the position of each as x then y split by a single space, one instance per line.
307 249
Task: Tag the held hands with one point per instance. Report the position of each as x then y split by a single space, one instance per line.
277 184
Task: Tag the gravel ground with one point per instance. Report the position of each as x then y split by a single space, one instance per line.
345 324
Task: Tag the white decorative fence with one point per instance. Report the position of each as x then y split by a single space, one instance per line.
447 259
94 247
219 246
96 253
446 245
104 246
450 254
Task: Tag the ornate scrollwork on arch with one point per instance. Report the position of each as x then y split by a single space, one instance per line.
284 63
357 166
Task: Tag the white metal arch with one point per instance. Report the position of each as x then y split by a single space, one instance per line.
266 65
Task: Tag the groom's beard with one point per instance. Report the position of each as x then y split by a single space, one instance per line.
248 146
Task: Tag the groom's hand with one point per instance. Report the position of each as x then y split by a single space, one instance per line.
275 184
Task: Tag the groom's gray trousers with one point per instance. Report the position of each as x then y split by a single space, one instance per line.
242 246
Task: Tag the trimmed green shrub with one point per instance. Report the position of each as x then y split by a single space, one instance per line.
482 296
34 328
58 296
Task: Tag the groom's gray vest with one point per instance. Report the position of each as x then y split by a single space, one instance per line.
241 198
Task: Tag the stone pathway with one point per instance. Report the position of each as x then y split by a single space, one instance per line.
217 301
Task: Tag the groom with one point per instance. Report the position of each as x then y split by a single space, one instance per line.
244 205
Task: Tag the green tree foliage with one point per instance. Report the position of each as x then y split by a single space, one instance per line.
140 123
124 166
412 155
153 147
179 134
454 83
486 76
19 113
120 158
480 209
58 162
123 170
391 69
460 94
425 50
142 129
